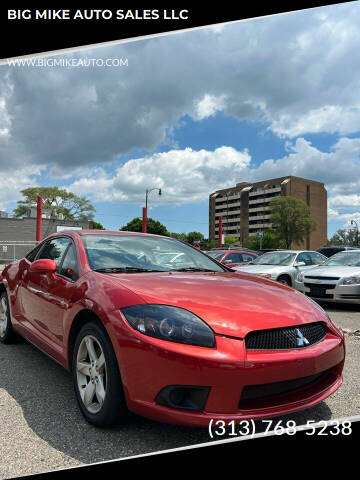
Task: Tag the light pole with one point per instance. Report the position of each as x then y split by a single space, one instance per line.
144 223
354 222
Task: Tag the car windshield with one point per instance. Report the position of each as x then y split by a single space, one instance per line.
133 253
216 254
275 258
345 258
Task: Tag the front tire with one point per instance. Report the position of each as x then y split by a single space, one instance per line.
96 377
7 334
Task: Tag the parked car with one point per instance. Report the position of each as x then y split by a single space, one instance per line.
232 258
337 280
331 250
182 345
283 265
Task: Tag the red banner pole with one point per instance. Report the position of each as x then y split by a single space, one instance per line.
144 220
38 218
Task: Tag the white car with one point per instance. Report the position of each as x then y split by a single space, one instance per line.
337 280
283 265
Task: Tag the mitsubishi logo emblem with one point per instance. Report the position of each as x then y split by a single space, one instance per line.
301 341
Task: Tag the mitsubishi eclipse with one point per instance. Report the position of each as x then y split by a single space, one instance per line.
182 342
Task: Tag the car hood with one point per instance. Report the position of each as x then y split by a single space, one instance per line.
262 268
329 271
231 303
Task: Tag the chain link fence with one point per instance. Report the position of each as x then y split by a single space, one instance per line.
14 250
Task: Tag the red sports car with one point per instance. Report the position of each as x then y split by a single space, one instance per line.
181 343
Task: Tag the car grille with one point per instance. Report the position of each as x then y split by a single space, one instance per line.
271 394
285 338
253 392
323 286
322 278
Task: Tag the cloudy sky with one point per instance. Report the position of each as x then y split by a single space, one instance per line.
191 113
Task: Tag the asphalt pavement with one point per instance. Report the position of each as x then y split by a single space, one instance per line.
42 429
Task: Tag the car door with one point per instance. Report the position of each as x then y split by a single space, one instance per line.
45 296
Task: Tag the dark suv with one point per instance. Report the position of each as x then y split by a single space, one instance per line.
330 250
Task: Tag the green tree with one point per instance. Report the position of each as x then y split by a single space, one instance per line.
58 201
270 240
194 237
290 217
179 236
97 226
207 244
152 226
229 241
344 237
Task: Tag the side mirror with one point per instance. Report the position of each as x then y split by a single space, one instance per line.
44 265
299 264
227 262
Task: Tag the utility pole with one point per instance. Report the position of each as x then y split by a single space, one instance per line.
144 220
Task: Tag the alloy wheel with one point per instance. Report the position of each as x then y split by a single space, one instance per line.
91 373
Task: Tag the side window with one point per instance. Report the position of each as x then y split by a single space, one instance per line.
69 266
304 257
316 258
247 258
54 249
233 257
31 255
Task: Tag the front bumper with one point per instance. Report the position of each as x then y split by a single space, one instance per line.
332 291
148 365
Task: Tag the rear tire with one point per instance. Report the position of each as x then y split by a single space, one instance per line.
7 334
285 280
96 376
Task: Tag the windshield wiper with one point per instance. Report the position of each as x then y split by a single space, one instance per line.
125 270
191 269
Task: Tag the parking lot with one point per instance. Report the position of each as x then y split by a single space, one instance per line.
42 429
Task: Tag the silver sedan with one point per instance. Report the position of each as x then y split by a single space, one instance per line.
337 280
283 265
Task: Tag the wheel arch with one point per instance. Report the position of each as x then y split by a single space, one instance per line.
286 275
80 319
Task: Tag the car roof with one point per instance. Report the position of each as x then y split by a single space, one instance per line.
292 251
232 250
348 247
352 250
103 232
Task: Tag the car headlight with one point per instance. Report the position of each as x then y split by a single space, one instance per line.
351 280
169 323
266 275
299 277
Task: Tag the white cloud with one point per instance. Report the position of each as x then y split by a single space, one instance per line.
341 201
328 118
295 73
189 175
12 183
184 175
208 106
